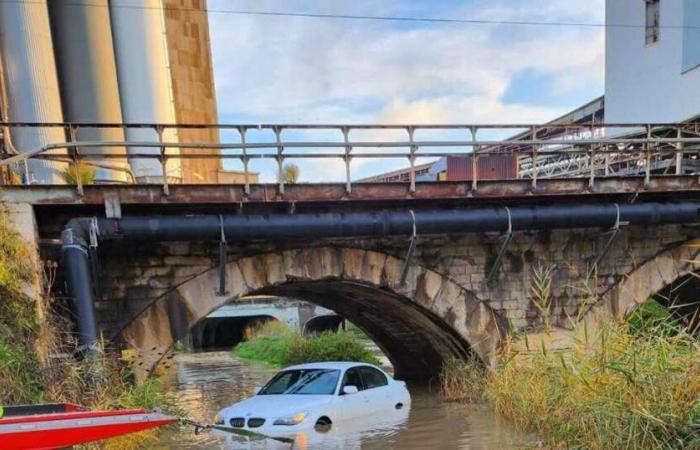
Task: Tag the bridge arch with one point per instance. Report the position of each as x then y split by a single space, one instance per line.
418 324
319 324
652 277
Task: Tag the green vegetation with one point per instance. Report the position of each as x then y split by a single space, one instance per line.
19 363
275 343
632 386
463 380
32 337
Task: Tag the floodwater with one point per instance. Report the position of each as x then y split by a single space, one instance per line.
205 382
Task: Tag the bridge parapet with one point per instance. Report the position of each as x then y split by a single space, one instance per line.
551 151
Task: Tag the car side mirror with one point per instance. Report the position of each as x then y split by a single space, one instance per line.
350 389
257 390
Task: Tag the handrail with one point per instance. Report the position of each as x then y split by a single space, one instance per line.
538 156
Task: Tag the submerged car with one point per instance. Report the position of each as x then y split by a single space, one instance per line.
317 394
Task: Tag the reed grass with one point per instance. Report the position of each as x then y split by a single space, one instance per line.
463 380
624 388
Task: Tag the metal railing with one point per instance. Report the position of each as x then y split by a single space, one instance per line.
567 150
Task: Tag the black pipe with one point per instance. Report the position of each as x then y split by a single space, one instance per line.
77 264
327 225
387 223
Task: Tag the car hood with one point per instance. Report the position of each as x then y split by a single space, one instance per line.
275 405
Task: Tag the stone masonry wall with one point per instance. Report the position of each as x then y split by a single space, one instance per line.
137 274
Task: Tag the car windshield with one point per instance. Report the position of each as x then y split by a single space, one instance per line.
302 382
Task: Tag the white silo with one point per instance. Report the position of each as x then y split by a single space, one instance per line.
31 83
145 84
82 37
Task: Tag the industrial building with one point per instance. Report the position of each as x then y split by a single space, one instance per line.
652 76
116 61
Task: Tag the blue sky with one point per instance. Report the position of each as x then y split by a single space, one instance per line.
306 70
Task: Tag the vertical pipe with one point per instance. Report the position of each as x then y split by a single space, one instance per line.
30 77
144 78
77 268
87 74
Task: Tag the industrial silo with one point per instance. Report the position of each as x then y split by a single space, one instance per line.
31 83
145 85
82 36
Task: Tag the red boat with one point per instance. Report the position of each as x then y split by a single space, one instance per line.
62 425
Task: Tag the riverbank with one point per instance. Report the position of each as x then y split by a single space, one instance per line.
631 385
276 343
37 348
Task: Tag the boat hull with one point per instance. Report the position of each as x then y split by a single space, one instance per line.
59 430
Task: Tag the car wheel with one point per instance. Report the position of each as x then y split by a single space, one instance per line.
323 424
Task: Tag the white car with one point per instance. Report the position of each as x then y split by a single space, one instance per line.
304 396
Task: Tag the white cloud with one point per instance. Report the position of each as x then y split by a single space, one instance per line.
285 69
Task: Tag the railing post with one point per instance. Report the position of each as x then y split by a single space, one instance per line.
280 158
163 161
475 172
591 166
412 158
347 159
246 188
76 161
647 147
679 152
534 159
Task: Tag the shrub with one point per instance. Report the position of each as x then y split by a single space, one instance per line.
276 343
327 346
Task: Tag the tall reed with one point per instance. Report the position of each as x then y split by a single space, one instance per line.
624 388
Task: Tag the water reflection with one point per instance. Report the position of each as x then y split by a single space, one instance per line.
206 382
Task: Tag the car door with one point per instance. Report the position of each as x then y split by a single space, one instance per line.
351 405
377 393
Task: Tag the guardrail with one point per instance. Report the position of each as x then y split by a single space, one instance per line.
543 151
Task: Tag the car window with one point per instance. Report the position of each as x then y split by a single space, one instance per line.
372 377
302 382
318 382
352 378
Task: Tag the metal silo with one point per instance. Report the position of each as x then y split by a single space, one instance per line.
87 74
31 82
145 85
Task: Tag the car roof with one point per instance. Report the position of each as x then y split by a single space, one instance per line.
340 365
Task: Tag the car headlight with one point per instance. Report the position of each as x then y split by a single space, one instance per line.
218 420
296 419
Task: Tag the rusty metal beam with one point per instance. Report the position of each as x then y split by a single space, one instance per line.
300 194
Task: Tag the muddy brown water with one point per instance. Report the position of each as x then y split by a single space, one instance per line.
205 382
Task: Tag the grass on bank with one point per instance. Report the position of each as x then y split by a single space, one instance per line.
635 385
275 343
36 347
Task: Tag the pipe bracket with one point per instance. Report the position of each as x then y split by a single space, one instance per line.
411 250
223 252
502 251
614 231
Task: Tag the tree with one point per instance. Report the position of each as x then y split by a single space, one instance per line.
290 174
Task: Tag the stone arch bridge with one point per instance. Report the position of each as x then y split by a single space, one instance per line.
421 302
